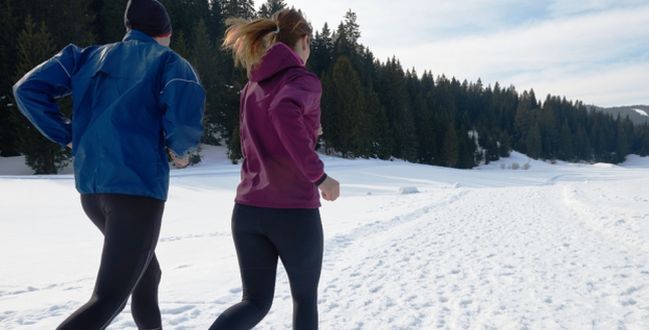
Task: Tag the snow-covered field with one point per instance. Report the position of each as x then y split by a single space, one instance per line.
562 246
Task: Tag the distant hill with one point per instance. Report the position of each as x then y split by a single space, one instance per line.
639 114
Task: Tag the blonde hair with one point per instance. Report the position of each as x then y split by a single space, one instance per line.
249 39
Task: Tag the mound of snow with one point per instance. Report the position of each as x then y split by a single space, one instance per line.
17 166
517 161
636 161
604 165
408 190
211 155
641 112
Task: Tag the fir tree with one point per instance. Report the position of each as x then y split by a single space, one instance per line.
271 7
450 148
7 64
345 128
582 146
566 144
202 58
43 156
350 28
624 132
394 96
179 45
239 8
533 142
322 49
73 23
109 20
380 138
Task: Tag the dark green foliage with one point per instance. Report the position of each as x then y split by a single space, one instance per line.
271 7
238 8
450 149
109 20
7 65
322 50
370 108
345 126
43 156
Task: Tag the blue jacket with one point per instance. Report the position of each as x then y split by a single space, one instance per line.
131 99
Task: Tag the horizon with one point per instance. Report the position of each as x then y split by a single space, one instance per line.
591 51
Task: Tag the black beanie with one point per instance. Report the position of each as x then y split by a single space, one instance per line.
148 16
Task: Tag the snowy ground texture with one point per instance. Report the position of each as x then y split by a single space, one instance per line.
562 246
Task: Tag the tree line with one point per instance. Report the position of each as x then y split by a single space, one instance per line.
370 108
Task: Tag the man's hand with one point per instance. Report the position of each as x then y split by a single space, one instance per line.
69 145
179 162
330 189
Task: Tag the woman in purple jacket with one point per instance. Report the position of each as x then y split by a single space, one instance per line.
276 212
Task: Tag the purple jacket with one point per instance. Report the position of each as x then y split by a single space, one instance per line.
280 117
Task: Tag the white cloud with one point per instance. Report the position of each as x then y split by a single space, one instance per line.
544 55
593 50
559 8
607 86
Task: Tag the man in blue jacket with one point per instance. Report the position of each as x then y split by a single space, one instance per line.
133 100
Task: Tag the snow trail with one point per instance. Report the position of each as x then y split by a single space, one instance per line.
555 247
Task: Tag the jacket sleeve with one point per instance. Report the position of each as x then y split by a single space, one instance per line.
183 98
287 114
36 94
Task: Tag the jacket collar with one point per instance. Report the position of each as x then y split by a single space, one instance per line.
278 58
138 35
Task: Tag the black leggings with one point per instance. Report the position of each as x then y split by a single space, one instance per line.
261 235
131 226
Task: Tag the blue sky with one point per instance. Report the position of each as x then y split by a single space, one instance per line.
596 51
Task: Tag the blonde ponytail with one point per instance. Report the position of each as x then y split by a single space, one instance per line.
249 40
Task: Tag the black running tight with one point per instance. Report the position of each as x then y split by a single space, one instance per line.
131 226
261 236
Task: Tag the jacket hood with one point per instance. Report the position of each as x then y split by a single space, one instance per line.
277 59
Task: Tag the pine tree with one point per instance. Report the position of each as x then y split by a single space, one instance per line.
350 28
271 7
582 144
179 45
423 114
624 133
345 128
202 54
466 150
566 144
322 49
7 63
394 97
109 20
73 23
450 148
533 142
239 8
523 119
216 21
345 39
185 14
380 140
43 156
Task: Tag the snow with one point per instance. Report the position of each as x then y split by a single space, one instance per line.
641 112
636 161
554 246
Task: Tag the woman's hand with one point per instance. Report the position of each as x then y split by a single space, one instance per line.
330 189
